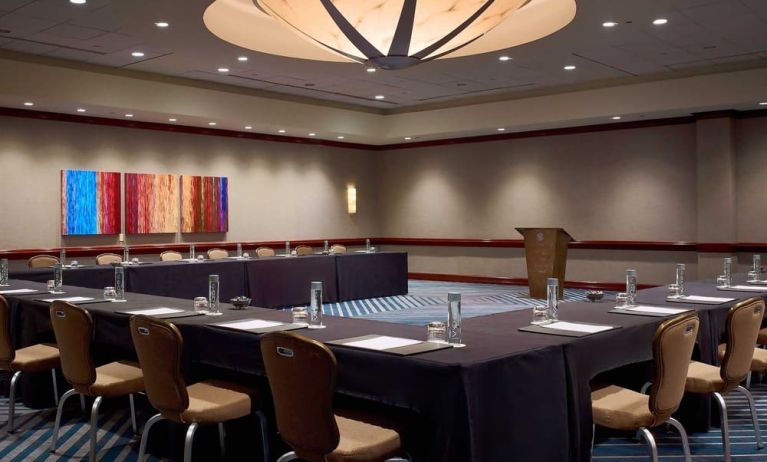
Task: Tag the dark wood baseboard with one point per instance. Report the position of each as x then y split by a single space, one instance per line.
593 285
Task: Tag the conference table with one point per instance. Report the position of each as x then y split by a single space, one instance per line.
270 282
507 394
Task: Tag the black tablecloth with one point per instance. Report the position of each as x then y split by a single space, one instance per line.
280 281
363 275
188 280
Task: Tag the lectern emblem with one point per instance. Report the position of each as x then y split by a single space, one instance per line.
539 236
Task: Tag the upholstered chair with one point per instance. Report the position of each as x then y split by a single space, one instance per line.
217 254
306 419
623 409
73 327
337 248
108 259
171 255
159 346
265 252
742 328
42 261
302 250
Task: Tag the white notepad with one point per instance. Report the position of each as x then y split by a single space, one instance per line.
156 311
700 299
18 291
69 299
655 309
744 288
382 342
576 327
250 324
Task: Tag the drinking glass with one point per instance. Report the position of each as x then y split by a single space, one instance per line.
680 270
63 256
119 284
3 272
757 266
287 248
721 281
201 304
620 300
325 247
673 290
126 254
367 245
631 287
315 308
51 284
191 251
552 299
110 293
200 257
540 314
454 319
300 316
436 331
728 271
213 292
58 278
753 276
239 250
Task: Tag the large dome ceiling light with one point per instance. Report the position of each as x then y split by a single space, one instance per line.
389 34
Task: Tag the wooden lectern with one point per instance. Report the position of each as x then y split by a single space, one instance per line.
546 255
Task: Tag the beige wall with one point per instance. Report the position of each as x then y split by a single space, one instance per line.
277 190
751 175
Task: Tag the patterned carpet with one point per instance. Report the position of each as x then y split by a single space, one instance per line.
425 302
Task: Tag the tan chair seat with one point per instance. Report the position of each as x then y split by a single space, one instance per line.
118 379
364 438
758 362
36 358
214 401
621 409
703 378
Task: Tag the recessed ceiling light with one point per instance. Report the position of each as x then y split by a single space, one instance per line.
161 24
763 103
569 68
242 59
609 24
172 120
80 109
312 134
129 115
223 69
248 127
340 137
29 103
616 117
379 97
371 69
77 2
280 131
408 138
137 54
501 129
660 21
212 124
504 58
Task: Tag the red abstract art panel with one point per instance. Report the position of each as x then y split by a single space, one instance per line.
151 203
204 204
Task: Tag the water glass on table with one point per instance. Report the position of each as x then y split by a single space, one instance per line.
110 293
436 331
621 300
201 304
300 315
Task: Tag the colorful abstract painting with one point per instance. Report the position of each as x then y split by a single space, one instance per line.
204 204
90 202
151 203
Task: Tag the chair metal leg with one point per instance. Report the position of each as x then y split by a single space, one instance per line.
222 440
12 402
725 427
748 380
683 434
134 426
593 436
145 435
55 387
754 417
57 423
94 427
645 387
188 440
82 403
264 434
651 443
288 457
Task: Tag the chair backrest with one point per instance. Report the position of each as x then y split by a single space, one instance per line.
217 254
672 350
73 327
303 250
7 352
171 255
302 378
743 323
265 252
42 261
337 248
108 259
159 347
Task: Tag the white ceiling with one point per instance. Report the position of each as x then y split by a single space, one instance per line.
699 34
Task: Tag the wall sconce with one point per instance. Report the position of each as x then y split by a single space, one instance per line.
351 199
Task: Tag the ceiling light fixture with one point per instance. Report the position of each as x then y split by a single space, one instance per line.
223 69
129 115
660 21
408 138
242 59
340 137
29 103
763 103
280 131
399 34
312 134
80 109
379 97
161 24
77 2
616 117
137 54
504 58
501 129
609 24
172 120
248 127
569 68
